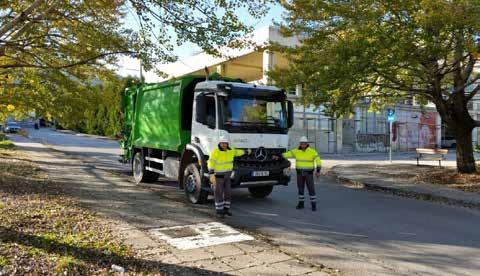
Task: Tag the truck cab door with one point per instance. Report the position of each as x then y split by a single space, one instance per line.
204 121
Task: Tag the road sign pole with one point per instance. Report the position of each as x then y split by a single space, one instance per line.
390 141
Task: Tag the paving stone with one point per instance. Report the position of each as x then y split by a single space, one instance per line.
157 251
192 255
241 261
252 246
318 273
169 259
224 250
215 265
259 270
271 256
293 267
138 240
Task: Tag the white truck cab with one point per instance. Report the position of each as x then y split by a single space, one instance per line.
253 117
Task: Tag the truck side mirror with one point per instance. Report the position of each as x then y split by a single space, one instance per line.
201 106
291 111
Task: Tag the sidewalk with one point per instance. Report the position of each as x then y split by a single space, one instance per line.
166 231
397 179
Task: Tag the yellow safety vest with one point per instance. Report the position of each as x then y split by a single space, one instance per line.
305 159
222 160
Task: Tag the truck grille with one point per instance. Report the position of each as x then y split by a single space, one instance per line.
261 158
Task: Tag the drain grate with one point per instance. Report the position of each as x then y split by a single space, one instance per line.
199 235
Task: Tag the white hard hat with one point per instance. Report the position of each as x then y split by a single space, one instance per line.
303 139
223 139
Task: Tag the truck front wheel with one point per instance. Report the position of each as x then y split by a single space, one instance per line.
260 192
140 174
192 181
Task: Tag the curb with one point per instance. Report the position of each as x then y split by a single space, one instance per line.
407 193
67 131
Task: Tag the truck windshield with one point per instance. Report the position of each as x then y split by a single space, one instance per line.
250 114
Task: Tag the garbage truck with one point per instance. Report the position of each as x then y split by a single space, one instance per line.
171 127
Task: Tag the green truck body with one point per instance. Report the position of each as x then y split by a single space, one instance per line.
154 115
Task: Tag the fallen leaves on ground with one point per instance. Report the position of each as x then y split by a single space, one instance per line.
449 177
44 232
445 176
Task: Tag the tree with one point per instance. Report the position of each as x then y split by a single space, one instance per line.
58 34
53 51
385 50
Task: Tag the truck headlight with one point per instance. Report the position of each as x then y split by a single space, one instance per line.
287 171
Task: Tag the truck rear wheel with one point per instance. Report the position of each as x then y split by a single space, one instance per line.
261 191
140 174
192 181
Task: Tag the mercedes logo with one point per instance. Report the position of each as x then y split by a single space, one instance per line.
261 154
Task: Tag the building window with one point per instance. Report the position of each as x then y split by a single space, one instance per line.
292 91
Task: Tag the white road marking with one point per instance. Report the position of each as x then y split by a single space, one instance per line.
199 235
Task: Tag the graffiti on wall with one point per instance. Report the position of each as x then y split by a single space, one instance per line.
420 132
372 142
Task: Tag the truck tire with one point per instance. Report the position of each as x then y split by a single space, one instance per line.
139 172
192 182
261 191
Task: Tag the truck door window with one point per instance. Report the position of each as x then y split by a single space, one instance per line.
211 111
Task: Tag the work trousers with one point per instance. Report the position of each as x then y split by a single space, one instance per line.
306 177
223 191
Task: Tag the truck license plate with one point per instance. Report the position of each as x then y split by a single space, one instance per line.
260 173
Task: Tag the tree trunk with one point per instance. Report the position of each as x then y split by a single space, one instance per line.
457 118
465 159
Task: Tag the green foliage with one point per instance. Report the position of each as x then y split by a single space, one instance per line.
6 144
382 51
60 34
54 53
99 110
3 261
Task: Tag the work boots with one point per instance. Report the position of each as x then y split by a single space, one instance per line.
227 212
314 206
301 205
220 214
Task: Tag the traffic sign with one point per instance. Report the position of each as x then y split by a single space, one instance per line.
390 114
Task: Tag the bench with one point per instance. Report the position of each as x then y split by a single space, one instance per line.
431 154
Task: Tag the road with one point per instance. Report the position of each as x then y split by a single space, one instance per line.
358 232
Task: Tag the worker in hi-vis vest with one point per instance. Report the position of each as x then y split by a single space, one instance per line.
220 166
307 161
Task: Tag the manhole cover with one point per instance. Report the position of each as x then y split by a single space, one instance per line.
180 232
200 235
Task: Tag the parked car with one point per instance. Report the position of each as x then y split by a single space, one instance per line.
11 127
449 142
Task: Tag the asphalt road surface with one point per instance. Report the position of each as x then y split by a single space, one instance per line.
358 232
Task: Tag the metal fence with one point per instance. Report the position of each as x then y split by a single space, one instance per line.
318 128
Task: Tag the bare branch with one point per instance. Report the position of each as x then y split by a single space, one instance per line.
64 66
23 16
469 67
473 93
467 84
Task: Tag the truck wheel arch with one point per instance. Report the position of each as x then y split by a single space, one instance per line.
190 154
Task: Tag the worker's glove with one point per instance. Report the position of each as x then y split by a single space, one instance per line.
248 151
317 173
213 180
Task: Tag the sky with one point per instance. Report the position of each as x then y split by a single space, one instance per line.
129 66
